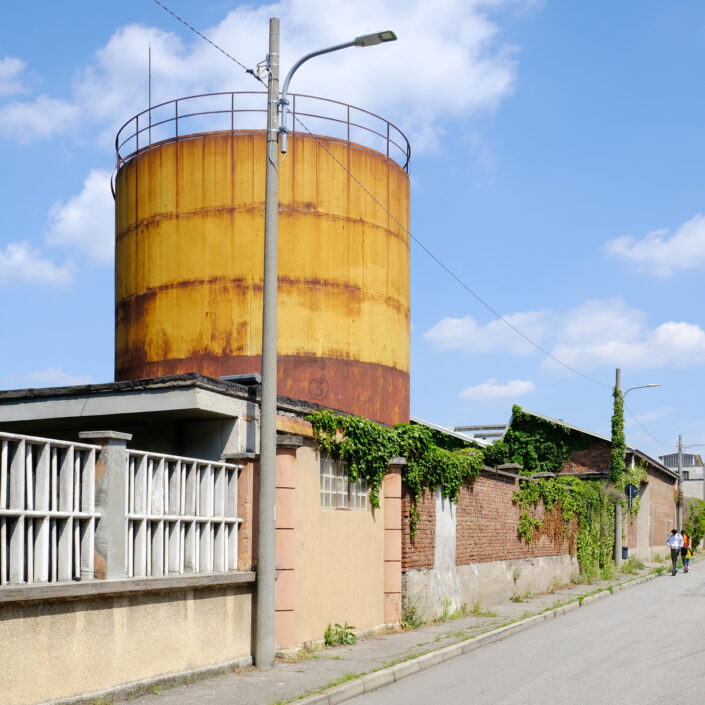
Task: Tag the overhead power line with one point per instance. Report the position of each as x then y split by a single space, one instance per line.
653 438
213 44
418 242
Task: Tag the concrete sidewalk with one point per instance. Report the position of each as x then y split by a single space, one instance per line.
328 675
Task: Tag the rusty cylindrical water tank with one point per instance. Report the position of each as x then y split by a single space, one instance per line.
189 262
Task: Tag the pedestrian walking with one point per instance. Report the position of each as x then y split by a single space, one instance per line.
685 551
675 543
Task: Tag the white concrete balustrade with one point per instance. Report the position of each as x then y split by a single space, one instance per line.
181 515
143 514
47 510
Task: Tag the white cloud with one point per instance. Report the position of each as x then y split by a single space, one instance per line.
10 69
466 334
86 221
52 377
605 332
20 262
609 332
660 255
41 118
450 60
491 391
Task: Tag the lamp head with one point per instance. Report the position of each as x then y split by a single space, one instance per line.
368 40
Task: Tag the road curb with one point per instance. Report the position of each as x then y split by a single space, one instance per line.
392 674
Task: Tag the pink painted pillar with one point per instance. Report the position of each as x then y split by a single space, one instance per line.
247 508
285 542
391 491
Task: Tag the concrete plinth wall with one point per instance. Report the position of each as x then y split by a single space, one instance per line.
68 647
433 592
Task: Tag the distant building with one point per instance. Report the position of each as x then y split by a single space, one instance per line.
693 471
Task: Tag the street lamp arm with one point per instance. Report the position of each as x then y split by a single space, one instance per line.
641 386
365 40
285 87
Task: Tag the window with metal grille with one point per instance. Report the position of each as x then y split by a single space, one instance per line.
337 492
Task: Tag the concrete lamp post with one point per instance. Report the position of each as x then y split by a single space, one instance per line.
619 398
264 648
681 448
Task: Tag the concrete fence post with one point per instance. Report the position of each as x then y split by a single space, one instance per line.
111 502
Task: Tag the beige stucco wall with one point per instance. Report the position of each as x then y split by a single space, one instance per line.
58 649
339 559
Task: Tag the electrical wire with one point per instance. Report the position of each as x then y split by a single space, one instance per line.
213 44
447 269
418 242
653 438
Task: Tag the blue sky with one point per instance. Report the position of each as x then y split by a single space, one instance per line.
556 169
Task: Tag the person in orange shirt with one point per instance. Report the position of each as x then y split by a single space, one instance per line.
685 551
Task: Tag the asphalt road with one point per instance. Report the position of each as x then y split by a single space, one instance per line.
643 646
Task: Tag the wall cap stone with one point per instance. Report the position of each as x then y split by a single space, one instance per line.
113 435
289 441
397 461
239 456
104 588
513 468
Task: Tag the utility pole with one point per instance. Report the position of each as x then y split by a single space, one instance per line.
617 501
264 634
679 503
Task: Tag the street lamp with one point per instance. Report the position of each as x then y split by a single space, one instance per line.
680 461
264 638
642 386
365 40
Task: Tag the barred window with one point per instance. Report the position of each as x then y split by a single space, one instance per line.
337 492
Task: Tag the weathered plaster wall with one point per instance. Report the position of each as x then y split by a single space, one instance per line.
339 559
484 583
58 649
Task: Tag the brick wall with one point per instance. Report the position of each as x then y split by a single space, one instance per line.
486 527
595 459
662 507
419 553
487 521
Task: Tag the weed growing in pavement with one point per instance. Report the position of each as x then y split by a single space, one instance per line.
411 618
477 611
337 634
446 602
608 572
343 679
516 598
632 566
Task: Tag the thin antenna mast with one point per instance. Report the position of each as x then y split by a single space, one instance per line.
150 93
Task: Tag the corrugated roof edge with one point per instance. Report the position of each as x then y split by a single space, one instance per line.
450 432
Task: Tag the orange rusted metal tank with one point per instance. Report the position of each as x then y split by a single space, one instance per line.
189 263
